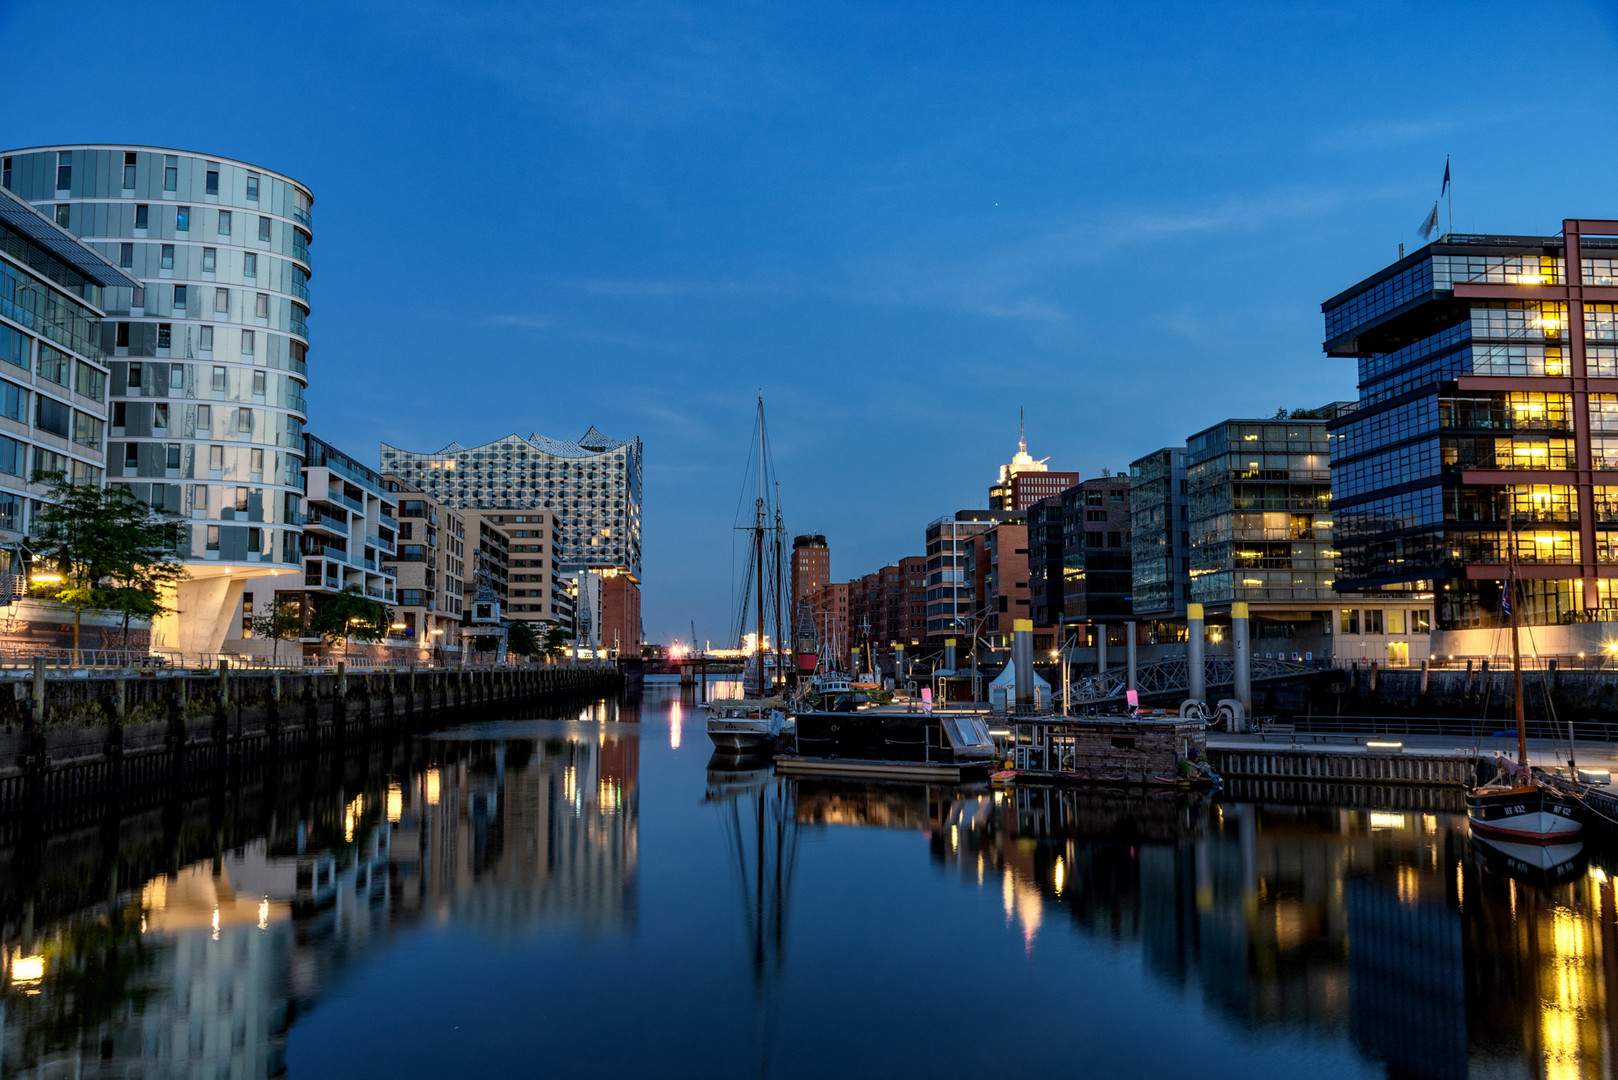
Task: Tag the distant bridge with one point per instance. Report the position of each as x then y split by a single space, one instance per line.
1169 678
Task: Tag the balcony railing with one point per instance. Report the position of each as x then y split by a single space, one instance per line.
318 520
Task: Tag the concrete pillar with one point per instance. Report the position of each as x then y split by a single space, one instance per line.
1022 659
898 666
1129 651
949 654
1101 648
1241 656
1196 670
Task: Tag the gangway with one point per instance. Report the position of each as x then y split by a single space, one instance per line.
1170 678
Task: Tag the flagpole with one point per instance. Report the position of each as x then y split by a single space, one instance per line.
1449 188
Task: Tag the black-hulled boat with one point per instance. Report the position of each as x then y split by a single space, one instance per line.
883 744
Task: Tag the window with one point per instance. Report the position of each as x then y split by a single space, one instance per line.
5 173
244 420
261 307
13 402
221 299
64 170
171 456
224 223
216 459
219 379
167 261
129 169
252 186
176 376
1373 620
241 500
171 172
135 379
248 343
179 298
204 419
1396 620
62 214
87 430
53 364
205 339
182 219
1421 622
213 180
49 461
126 256
1349 621
52 416
210 260
250 265
199 496
264 229
256 462
160 417
13 456
165 335
120 413
90 382
137 297
258 384
142 215
212 543
121 341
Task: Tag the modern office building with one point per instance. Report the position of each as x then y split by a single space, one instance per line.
1024 481
429 567
1159 535
592 487
536 589
207 351
953 607
1261 528
1079 559
53 379
1487 422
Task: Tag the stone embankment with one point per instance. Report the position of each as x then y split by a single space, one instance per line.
65 739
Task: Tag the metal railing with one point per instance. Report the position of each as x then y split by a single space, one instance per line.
1172 677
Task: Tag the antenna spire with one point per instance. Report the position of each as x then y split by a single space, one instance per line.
1022 432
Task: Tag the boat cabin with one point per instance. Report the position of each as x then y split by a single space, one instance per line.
1106 748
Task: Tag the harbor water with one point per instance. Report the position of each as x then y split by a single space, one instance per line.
598 894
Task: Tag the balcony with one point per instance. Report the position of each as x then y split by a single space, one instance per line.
390 523
318 550
325 522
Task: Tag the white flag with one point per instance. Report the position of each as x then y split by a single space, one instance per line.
1429 224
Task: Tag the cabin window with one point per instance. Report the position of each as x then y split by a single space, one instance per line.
1123 742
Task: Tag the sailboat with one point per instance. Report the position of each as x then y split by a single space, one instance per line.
753 721
1516 806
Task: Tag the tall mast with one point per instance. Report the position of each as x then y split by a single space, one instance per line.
1516 652
758 548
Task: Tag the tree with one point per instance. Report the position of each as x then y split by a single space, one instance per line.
281 621
521 639
109 550
556 639
351 616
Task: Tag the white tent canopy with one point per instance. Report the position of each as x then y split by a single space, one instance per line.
1003 690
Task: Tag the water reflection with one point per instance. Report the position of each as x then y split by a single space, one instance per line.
198 937
202 970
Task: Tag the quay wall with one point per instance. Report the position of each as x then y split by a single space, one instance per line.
68 738
1550 697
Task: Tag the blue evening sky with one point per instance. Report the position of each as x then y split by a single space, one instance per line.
902 221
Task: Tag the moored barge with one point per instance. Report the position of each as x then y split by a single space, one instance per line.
1160 750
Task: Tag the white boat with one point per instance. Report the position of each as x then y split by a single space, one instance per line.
747 724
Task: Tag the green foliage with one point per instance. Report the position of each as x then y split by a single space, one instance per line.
113 551
521 639
281 620
556 641
350 616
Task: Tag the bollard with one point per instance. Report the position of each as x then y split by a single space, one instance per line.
1241 656
1196 669
1424 678
1101 648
